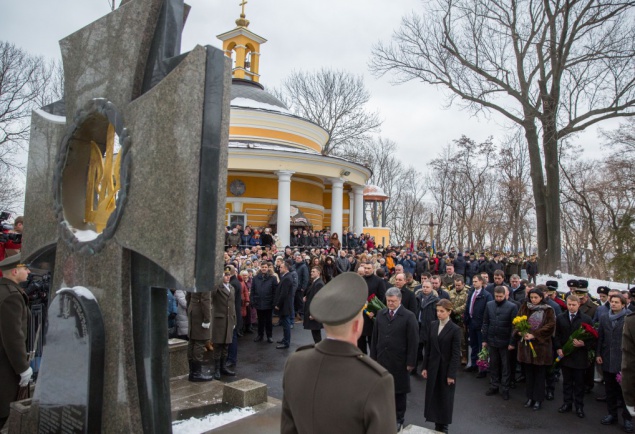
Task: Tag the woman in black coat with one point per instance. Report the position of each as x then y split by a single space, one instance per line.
330 270
312 290
440 364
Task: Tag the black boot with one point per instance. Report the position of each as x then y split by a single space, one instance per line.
224 370
199 373
217 369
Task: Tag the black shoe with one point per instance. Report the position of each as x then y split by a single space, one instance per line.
491 391
281 341
199 373
566 408
549 396
505 395
609 420
600 398
529 403
224 370
399 426
258 338
470 369
628 426
248 331
240 334
270 340
537 405
512 385
230 364
481 374
580 412
282 347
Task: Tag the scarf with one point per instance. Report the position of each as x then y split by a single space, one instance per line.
614 318
537 314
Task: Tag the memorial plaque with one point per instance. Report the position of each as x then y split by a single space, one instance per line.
74 344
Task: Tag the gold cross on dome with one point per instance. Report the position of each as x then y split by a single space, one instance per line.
243 6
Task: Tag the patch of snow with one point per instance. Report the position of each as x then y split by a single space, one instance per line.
84 292
250 103
85 235
209 422
50 117
593 283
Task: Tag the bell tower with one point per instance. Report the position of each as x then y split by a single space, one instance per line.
243 46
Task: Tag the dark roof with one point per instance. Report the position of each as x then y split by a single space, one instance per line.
254 91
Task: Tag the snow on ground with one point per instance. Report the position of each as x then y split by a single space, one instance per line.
209 422
593 283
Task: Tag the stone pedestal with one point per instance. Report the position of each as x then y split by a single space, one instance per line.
245 393
178 357
18 422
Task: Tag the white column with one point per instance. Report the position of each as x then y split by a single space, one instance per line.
351 211
284 206
358 203
337 197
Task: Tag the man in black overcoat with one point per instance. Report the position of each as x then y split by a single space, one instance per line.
311 323
394 346
284 303
574 364
408 299
375 286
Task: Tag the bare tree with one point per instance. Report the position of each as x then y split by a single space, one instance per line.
553 67
23 81
336 101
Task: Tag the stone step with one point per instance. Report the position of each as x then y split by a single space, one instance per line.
414 429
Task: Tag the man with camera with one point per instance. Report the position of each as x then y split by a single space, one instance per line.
15 371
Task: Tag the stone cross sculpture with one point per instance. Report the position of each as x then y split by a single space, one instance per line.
125 197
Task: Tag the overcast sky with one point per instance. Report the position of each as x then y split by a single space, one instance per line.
302 35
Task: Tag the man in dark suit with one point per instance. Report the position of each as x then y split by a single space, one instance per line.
575 364
408 299
284 303
477 300
332 387
394 345
309 322
375 285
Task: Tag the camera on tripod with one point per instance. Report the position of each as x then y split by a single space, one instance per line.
37 287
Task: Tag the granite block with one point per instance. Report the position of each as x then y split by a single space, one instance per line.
245 393
178 357
20 421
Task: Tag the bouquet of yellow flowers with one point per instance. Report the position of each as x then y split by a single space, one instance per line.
521 324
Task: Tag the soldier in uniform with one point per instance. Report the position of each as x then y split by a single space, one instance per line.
15 371
458 297
224 310
588 308
332 387
199 314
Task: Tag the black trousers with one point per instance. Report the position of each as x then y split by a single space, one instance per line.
499 369
317 335
614 394
298 303
363 343
573 386
535 386
264 322
401 402
513 363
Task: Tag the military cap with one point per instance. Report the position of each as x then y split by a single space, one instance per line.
603 290
552 285
573 283
340 300
582 283
11 262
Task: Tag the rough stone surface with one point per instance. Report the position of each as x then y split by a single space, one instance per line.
40 227
166 141
108 56
178 357
245 393
18 422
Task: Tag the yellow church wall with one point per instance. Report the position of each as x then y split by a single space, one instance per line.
293 139
303 192
255 186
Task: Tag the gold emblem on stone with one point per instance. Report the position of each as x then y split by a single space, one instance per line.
103 182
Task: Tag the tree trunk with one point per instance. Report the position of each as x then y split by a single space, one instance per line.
538 188
552 200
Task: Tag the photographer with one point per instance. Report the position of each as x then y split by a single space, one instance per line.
10 236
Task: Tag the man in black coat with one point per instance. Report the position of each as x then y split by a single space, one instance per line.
425 313
232 351
408 299
477 300
574 364
309 322
377 287
302 270
263 288
394 346
284 303
499 339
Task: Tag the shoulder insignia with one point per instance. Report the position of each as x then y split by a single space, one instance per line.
305 347
372 364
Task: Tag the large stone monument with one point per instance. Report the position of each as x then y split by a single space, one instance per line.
125 196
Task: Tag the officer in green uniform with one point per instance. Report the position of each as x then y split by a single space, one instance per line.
332 387
458 297
14 316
